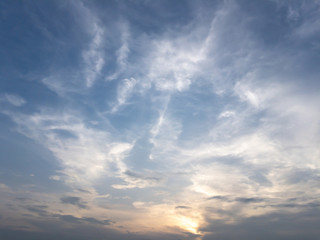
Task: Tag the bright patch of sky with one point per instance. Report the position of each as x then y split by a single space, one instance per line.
159 119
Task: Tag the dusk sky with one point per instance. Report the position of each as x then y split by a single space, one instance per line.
160 120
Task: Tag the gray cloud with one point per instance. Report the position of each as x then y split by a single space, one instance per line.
38 209
83 190
223 198
296 176
296 205
96 221
69 218
73 201
62 133
84 233
249 200
73 219
275 226
245 200
136 175
22 199
183 207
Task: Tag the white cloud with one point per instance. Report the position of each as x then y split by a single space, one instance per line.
227 114
125 89
15 100
137 180
293 14
154 131
164 135
85 157
173 65
71 80
308 28
5 188
55 177
93 56
57 83
123 52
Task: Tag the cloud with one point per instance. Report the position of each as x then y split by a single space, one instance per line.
70 218
182 207
204 127
122 53
93 56
55 178
218 198
249 200
173 66
83 71
96 221
62 133
38 209
73 219
73 201
83 232
245 200
5 188
85 156
15 100
271 226
308 28
138 180
125 89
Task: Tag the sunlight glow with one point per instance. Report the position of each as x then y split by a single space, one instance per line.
188 224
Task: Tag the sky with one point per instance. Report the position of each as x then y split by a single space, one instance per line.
149 120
